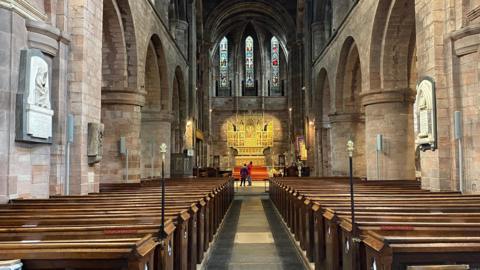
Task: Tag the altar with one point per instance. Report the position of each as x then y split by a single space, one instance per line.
256 160
258 173
250 135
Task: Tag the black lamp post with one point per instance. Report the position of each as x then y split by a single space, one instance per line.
163 151
350 149
355 238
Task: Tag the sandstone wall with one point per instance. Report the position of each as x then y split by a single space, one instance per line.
31 170
84 81
444 47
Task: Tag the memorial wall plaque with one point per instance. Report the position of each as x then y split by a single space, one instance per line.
95 142
34 112
426 116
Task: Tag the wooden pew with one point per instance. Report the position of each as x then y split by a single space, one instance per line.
126 253
331 224
110 218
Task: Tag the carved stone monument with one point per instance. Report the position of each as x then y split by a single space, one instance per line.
34 112
95 142
426 116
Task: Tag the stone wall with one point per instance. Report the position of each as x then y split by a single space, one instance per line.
415 39
97 88
31 169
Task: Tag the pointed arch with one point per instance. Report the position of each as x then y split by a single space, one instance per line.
324 96
349 79
348 103
155 107
179 111
119 54
155 55
324 104
391 49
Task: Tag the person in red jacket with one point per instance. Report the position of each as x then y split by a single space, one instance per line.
249 178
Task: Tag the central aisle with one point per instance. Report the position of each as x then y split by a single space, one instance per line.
253 237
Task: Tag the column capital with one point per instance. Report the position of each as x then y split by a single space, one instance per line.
405 95
317 25
123 97
181 24
346 117
157 116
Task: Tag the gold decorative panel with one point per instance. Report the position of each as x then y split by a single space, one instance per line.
250 134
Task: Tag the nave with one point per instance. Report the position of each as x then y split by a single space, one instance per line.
253 237
301 223
102 99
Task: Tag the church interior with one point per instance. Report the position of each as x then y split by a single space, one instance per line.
239 134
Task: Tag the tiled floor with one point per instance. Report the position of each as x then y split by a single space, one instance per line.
256 188
253 237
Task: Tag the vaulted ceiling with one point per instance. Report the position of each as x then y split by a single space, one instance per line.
222 17
289 5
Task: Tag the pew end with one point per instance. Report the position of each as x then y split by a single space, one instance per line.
11 265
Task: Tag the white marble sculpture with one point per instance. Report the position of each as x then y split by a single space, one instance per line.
42 92
425 119
38 108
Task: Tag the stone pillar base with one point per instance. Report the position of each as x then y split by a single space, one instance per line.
344 127
121 115
156 129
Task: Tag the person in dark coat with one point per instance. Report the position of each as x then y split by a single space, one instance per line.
243 174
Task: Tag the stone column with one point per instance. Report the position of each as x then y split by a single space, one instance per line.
390 113
438 167
312 141
121 115
85 82
181 35
317 38
343 127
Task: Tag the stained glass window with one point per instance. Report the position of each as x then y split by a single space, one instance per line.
249 67
224 62
275 62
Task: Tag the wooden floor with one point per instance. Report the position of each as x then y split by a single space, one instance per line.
253 236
